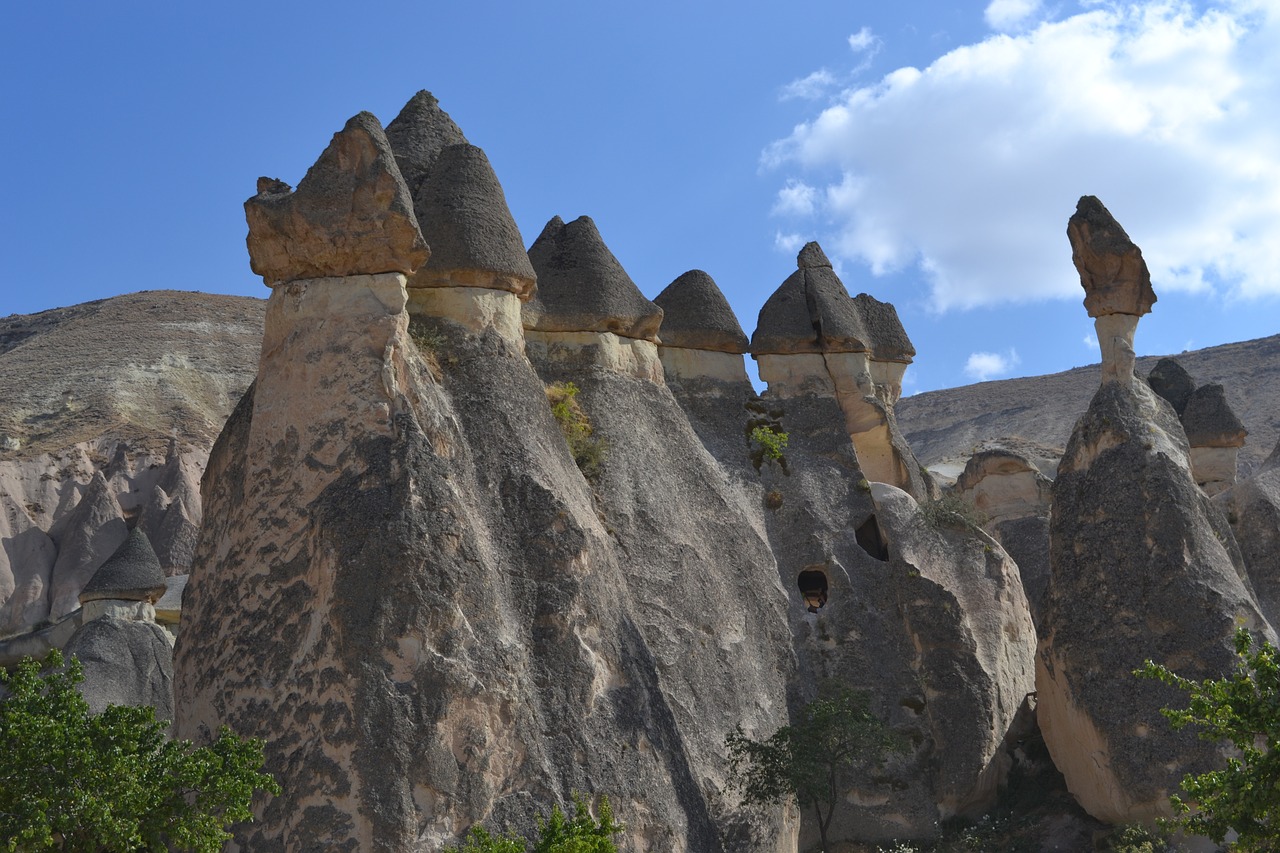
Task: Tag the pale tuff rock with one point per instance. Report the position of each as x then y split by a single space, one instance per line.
27 555
1004 484
351 214
1253 509
583 288
581 351
812 338
1173 383
86 537
1112 271
474 239
474 308
1117 285
1143 566
701 337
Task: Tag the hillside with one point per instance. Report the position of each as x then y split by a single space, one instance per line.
943 425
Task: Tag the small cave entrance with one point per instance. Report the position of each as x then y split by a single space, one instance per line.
813 589
871 539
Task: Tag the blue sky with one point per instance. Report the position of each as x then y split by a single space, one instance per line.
936 150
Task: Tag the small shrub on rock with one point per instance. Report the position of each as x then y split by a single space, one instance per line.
770 441
582 833
588 450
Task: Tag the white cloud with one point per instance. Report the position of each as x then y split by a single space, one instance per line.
982 366
796 199
968 169
863 40
1006 15
810 88
1091 342
788 242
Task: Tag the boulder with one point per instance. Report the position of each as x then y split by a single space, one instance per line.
695 315
351 214
583 288
126 661
132 573
1112 271
1172 382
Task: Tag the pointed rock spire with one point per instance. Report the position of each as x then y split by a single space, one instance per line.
810 312
419 133
583 288
351 214
697 316
460 203
132 573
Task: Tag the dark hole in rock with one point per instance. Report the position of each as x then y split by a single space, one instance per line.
913 703
871 540
813 588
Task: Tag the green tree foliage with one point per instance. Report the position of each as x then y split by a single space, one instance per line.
770 441
816 759
582 833
1243 709
71 780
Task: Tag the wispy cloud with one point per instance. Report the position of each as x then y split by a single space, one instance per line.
1091 341
1006 15
863 40
817 85
796 199
788 242
982 366
967 170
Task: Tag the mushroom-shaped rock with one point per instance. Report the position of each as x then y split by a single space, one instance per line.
419 133
810 312
697 316
1172 382
583 288
889 341
474 239
1209 420
1112 271
1005 484
350 215
132 573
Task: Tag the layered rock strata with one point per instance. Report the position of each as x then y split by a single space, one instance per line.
1143 566
811 337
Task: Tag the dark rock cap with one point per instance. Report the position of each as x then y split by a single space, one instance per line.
1112 272
697 316
132 573
1172 382
1209 421
460 203
419 133
583 288
812 312
351 214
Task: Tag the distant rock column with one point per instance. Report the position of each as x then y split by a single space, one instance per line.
1143 566
478 273
1215 435
812 338
1116 282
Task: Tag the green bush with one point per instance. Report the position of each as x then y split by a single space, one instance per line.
587 449
582 833
770 441
71 780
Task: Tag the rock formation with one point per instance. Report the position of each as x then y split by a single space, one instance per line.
127 658
351 213
1143 566
700 337
1173 383
1253 510
1215 435
811 337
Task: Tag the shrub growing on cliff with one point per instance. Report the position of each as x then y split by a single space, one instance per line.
770 441
582 833
815 760
71 780
587 449
1243 709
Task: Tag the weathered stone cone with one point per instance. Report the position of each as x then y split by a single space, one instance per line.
132 573
583 288
1173 383
1144 566
351 214
419 133
1209 420
697 316
811 312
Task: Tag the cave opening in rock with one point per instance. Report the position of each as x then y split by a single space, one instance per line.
872 540
813 589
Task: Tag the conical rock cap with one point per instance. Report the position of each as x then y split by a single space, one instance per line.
132 573
810 312
583 288
696 315
419 133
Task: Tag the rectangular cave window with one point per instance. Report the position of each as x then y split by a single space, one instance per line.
813 589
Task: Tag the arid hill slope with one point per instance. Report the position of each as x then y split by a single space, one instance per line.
948 424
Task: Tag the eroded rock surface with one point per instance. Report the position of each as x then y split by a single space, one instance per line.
1253 509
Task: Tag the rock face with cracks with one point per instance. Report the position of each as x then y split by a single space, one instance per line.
1253 509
